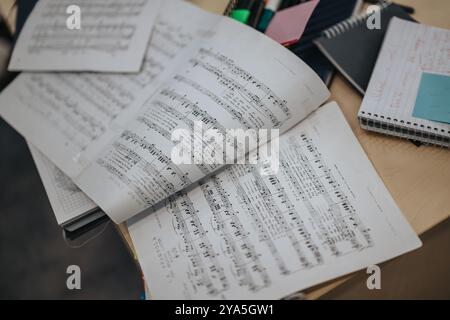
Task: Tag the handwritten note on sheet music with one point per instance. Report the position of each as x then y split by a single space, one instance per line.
409 49
240 235
67 200
113 36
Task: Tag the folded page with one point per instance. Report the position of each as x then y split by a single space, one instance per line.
243 235
85 35
67 200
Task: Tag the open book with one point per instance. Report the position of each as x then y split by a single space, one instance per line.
239 233
111 134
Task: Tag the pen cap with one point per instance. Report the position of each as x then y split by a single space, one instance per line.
266 17
241 12
241 15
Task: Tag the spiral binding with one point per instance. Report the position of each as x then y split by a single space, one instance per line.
350 23
404 130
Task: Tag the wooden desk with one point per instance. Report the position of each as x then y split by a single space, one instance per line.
417 177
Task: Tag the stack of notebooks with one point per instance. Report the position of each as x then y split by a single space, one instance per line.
403 70
312 207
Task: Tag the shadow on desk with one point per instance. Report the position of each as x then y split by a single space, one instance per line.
33 254
421 274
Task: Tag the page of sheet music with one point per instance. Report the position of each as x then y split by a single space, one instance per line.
71 116
112 37
222 86
67 200
241 235
169 38
409 50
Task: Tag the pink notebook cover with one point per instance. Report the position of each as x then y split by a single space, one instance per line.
287 25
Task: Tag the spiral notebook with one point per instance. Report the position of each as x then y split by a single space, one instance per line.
353 48
398 89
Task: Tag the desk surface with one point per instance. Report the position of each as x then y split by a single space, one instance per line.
417 177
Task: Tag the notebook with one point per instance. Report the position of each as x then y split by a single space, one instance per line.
410 54
353 48
326 14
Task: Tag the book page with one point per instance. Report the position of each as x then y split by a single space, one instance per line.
71 116
238 79
409 51
112 36
67 200
242 235
232 77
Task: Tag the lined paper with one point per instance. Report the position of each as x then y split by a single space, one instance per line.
408 51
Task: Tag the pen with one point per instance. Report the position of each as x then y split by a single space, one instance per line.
242 10
267 15
256 11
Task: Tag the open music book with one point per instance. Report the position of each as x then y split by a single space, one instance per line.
111 134
242 234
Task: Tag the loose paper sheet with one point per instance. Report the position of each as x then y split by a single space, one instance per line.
113 36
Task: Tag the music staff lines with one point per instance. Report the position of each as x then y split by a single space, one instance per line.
229 63
239 247
268 197
263 234
253 100
199 249
336 189
54 98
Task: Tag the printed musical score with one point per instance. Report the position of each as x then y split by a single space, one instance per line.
244 235
110 35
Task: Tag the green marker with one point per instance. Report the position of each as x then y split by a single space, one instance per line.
242 11
267 15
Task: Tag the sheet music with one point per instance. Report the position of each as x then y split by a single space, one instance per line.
71 116
409 49
113 36
122 161
67 200
220 86
240 235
